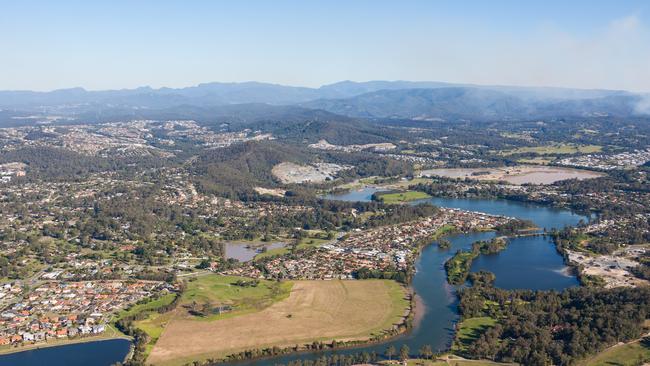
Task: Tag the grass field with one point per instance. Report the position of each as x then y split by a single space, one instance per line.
555 149
272 253
311 242
147 306
314 311
401 197
469 330
627 354
220 290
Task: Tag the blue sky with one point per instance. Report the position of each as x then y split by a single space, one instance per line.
123 44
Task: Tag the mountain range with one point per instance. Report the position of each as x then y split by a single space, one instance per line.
428 101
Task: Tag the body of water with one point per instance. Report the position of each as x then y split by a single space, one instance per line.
527 263
355 195
99 353
244 252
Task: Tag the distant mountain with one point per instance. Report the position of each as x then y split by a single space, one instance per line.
373 99
210 94
471 103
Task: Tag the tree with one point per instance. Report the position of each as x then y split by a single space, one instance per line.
390 352
426 352
404 352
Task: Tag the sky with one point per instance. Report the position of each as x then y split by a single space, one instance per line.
116 44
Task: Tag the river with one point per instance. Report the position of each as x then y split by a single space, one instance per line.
527 263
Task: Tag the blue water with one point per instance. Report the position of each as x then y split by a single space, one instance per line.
355 195
100 353
527 262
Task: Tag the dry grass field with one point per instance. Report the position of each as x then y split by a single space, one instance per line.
315 310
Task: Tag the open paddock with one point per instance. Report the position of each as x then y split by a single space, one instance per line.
314 311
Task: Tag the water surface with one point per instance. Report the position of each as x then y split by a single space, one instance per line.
527 263
244 252
98 353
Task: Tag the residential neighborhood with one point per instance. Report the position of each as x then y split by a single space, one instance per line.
57 310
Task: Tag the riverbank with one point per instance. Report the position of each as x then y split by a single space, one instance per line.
114 334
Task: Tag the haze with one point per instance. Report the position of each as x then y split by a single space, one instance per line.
125 44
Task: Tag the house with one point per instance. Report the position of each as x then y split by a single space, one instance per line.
98 328
28 337
62 333
4 341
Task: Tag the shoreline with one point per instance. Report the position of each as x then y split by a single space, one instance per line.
43 345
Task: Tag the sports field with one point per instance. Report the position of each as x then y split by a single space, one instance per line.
314 311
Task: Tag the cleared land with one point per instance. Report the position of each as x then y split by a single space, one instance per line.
614 269
316 173
210 291
555 149
314 311
522 174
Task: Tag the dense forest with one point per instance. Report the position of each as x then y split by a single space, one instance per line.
546 327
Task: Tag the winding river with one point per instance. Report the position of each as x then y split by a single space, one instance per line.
527 263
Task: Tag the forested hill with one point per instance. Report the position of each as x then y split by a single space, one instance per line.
246 102
469 103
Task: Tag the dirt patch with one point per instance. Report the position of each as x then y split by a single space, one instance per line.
614 269
316 173
516 175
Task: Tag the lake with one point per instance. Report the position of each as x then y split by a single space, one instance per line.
527 263
355 195
244 252
98 353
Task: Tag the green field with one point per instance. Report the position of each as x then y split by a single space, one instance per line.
444 230
212 290
555 149
221 290
272 253
635 353
469 330
401 197
148 306
311 242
